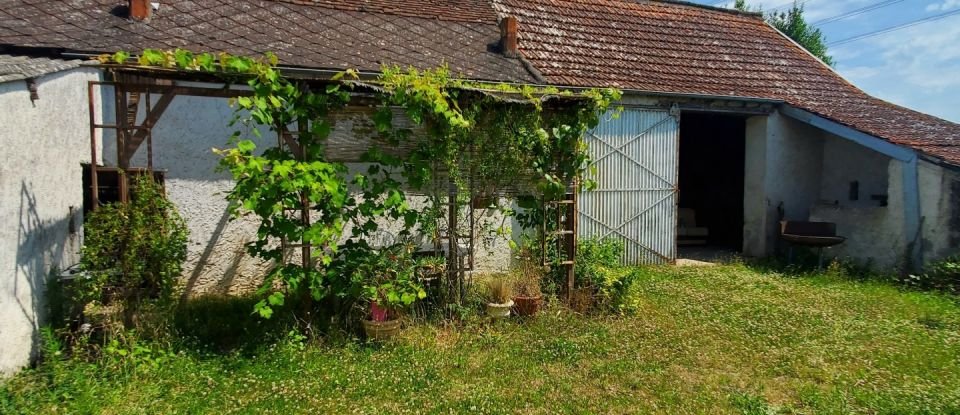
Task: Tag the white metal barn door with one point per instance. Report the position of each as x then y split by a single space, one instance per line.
636 158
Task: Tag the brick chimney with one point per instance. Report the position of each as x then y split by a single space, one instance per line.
508 37
140 9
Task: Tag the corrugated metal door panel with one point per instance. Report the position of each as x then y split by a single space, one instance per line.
635 201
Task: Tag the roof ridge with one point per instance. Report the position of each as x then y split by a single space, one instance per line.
473 11
758 15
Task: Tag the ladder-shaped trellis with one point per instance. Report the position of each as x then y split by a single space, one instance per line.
560 229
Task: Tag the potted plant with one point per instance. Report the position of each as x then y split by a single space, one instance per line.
390 288
527 277
499 297
527 298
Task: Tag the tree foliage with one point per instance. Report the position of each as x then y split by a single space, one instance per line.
793 24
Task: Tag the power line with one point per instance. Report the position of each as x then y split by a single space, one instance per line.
783 7
856 12
897 27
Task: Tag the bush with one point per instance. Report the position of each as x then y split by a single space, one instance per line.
594 255
598 268
132 252
943 275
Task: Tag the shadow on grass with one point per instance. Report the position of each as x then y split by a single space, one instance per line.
225 324
805 263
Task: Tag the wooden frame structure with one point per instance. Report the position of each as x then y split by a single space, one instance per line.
133 86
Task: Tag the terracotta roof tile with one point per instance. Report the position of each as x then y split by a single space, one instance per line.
637 44
680 48
328 34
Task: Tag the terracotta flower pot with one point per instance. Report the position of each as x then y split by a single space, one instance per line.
527 306
499 310
381 330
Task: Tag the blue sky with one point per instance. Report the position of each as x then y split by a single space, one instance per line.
917 67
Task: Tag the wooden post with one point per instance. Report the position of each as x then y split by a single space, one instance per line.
120 101
453 262
94 182
572 244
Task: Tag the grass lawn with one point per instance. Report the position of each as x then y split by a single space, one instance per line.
725 339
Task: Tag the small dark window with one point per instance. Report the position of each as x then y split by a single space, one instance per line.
108 184
854 190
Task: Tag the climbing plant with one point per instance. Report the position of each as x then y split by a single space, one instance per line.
467 137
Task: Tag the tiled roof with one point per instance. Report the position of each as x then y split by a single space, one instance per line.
330 34
635 44
15 68
679 48
456 11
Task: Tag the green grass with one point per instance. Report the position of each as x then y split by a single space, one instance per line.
722 339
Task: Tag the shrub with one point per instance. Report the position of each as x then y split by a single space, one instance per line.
943 275
390 278
594 255
598 267
132 252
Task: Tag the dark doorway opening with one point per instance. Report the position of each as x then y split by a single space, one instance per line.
711 174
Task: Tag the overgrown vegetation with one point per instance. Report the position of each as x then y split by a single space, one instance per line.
598 270
467 141
724 339
943 275
132 254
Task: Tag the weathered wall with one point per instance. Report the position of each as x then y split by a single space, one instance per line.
183 140
940 209
41 200
784 159
844 162
875 234
755 203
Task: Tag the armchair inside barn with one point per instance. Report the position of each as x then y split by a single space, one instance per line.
458 145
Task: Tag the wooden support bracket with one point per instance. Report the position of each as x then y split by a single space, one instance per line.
136 139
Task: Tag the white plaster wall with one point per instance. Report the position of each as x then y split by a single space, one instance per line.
784 159
217 261
875 235
940 209
755 203
40 182
845 161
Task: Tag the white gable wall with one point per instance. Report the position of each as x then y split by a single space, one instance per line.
41 200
